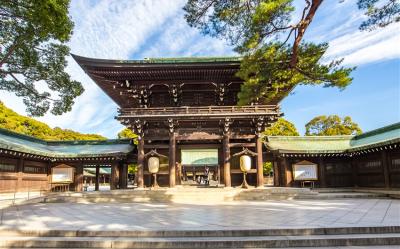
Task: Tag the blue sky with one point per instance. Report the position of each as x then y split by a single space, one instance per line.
125 29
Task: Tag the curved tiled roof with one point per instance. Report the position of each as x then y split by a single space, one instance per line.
335 144
63 149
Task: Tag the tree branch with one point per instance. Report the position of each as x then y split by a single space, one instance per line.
27 88
301 29
204 10
10 51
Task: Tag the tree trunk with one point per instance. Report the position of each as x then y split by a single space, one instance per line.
301 29
9 52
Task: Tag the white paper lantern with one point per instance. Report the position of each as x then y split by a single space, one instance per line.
245 163
154 164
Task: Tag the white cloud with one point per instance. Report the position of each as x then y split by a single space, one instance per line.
176 38
105 29
363 47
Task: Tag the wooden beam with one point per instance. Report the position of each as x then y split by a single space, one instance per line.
156 146
199 136
235 145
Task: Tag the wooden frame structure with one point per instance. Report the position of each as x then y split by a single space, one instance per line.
175 103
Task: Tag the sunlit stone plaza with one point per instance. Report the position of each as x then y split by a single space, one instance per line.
105 220
179 216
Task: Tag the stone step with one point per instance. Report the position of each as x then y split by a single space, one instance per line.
194 195
202 242
202 233
324 247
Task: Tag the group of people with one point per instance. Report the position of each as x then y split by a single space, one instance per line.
204 179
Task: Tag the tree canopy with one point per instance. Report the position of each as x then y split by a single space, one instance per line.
332 125
270 38
127 134
282 127
33 34
12 121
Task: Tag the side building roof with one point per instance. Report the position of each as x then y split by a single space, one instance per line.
13 141
387 135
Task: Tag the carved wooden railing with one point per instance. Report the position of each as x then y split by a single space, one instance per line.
199 110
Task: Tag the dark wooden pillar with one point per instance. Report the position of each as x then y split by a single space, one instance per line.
79 178
123 175
385 166
354 174
276 172
260 173
178 168
221 166
114 176
97 182
140 163
226 152
172 159
322 174
287 172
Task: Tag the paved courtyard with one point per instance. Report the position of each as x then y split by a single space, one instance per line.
235 215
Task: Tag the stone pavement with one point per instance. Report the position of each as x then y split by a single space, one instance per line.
232 215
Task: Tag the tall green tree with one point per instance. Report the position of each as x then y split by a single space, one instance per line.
282 127
332 125
33 37
265 32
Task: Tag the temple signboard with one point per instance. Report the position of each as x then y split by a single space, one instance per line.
305 171
62 174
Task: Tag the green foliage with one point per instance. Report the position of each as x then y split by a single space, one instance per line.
240 22
268 75
271 66
380 13
12 121
132 168
282 127
127 134
267 168
332 125
33 34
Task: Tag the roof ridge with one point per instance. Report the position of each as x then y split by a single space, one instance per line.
91 142
379 130
22 136
161 60
337 137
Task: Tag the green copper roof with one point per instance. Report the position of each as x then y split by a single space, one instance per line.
308 144
63 149
334 144
383 136
172 60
